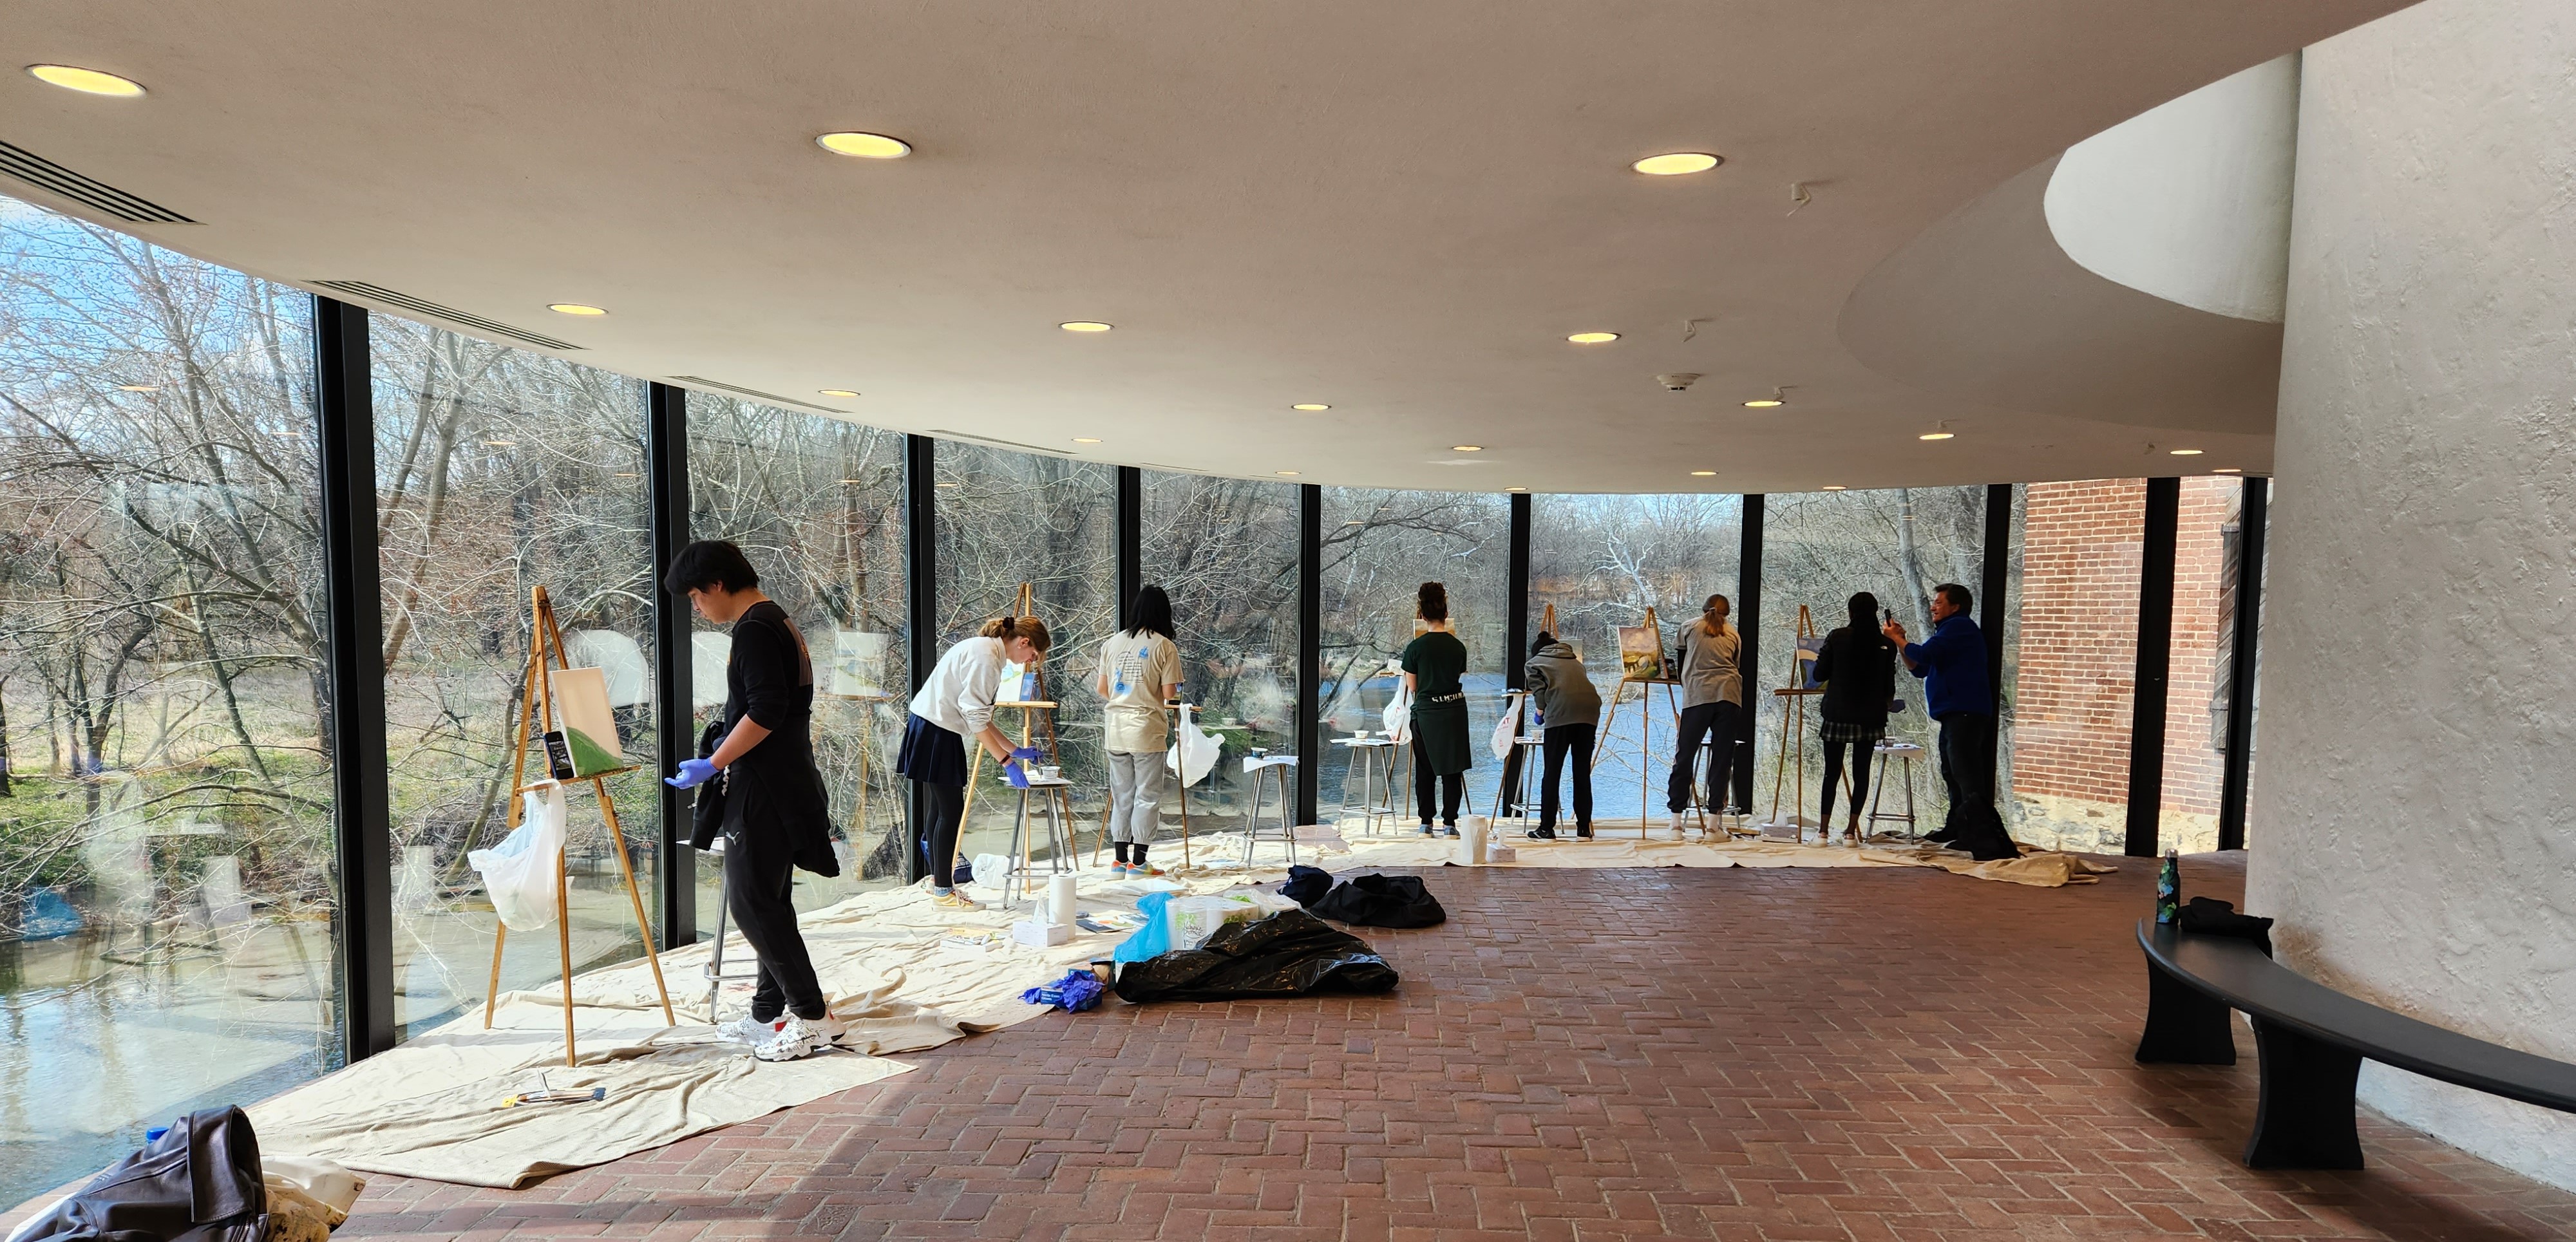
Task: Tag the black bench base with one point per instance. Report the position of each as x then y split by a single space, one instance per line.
2303 1117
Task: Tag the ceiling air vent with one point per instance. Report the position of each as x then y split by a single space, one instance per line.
53 178
378 293
700 381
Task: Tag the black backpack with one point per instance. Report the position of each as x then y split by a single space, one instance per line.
1382 901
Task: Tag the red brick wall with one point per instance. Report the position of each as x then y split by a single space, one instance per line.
2077 657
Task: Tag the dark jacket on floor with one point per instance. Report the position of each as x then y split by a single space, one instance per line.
198 1183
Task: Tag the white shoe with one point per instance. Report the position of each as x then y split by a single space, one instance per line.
748 1029
797 1038
1680 820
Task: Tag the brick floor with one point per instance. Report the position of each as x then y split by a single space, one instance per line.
1774 1054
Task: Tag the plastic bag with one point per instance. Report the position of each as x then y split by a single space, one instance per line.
1194 919
1287 954
992 869
1508 729
1399 716
520 872
1195 752
1153 939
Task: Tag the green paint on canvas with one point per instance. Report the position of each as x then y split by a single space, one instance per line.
589 758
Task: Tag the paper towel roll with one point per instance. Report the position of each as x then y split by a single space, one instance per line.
1060 901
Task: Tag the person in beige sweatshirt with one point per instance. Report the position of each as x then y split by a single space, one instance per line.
1712 710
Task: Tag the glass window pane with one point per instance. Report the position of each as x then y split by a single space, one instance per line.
1225 550
2195 686
2076 663
1005 519
498 471
167 851
1600 562
1818 549
817 504
1378 548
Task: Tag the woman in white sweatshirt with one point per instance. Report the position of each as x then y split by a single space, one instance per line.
955 704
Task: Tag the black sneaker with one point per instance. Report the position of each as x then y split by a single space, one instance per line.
1452 830
1541 834
1426 830
1583 833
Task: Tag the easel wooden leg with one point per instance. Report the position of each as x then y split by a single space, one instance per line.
563 949
947 877
608 812
492 992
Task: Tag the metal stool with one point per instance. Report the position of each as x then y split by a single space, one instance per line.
1256 764
714 969
1059 846
1532 751
1375 758
1880 753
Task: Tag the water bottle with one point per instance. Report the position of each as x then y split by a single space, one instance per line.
2169 889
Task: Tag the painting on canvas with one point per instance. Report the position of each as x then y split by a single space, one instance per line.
589 726
1641 652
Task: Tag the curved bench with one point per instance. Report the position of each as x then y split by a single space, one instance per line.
2311 1041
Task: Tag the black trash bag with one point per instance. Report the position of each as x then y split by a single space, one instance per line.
198 1183
2209 916
1382 901
1291 953
1305 885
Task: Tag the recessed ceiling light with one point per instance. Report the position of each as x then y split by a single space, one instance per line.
1593 338
138 388
1466 448
1286 474
1677 163
1934 435
864 146
1084 325
573 308
1835 487
1310 406
2183 452
86 81
1763 403
1086 439
2229 470
1703 474
836 392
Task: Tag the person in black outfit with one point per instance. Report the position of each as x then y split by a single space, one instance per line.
775 812
1858 667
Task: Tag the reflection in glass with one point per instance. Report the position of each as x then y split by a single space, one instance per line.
167 853
1378 548
1225 550
1601 561
500 470
818 506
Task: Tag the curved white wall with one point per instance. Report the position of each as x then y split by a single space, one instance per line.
2190 201
2414 817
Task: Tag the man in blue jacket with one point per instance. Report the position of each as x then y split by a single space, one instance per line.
1959 693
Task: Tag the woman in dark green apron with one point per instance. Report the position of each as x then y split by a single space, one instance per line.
1433 663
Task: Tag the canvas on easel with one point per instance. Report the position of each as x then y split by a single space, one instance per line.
589 726
1641 651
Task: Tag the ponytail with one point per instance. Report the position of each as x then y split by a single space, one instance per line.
1030 628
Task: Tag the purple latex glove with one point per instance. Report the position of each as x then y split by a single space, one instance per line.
1026 753
693 773
1015 774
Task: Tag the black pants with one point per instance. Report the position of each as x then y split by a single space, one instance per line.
1861 753
758 882
1451 785
1717 723
946 807
1968 772
1558 742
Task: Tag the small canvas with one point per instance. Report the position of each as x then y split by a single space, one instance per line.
589 727
1019 683
1805 656
1641 652
858 658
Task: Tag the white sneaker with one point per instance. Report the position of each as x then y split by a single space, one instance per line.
1680 820
797 1038
748 1029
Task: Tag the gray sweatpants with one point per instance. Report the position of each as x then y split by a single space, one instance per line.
1135 795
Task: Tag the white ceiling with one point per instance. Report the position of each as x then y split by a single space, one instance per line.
1400 209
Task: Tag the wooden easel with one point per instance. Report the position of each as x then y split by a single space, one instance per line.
1646 733
1022 607
537 707
1793 732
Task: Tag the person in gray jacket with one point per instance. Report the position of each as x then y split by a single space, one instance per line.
1712 709
1569 710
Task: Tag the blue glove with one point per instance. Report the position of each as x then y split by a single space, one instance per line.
693 773
1028 752
1015 774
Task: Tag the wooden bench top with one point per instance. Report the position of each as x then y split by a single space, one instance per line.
2236 972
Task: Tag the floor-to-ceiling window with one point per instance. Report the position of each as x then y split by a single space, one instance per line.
1818 550
167 850
499 471
1006 520
2074 659
2197 663
1378 548
817 504
1226 552
1599 562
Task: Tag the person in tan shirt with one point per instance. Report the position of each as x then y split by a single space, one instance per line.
1712 709
1140 670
